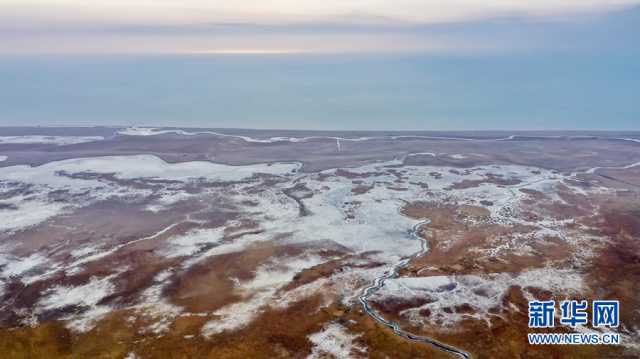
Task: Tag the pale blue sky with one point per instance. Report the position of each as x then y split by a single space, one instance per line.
334 64
386 92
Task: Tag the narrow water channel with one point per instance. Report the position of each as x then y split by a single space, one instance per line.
379 283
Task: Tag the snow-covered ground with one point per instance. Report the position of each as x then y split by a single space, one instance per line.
335 341
479 292
64 176
259 293
369 225
55 140
87 296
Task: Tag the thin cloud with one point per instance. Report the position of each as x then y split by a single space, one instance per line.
494 31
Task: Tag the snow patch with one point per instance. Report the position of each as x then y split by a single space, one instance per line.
481 293
260 292
334 340
25 214
55 176
193 241
82 252
85 296
155 307
12 266
137 166
55 140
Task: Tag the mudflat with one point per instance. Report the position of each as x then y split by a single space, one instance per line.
156 242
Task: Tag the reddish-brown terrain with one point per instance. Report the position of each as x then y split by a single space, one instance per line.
166 243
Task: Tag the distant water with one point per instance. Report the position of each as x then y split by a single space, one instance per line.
324 92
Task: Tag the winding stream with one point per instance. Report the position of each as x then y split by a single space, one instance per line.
378 283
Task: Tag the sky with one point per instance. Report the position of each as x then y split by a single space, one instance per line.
330 64
291 26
